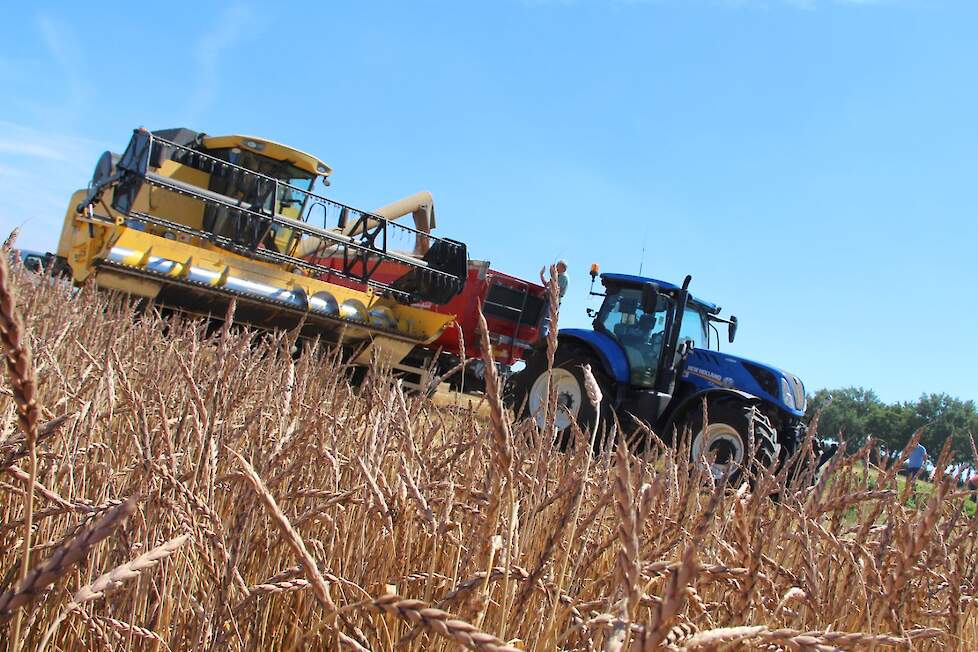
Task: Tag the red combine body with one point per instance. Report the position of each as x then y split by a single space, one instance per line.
513 309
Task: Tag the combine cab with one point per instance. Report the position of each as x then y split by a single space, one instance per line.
193 221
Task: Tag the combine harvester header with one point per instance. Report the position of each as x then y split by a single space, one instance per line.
193 221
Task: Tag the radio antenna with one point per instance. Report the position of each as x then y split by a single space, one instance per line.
641 261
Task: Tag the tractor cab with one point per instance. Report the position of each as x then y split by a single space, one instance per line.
656 324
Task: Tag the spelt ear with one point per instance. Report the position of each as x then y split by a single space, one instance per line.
11 240
63 559
320 587
115 577
440 622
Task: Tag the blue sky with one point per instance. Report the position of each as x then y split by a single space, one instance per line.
812 163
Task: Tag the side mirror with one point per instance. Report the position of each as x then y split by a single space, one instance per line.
650 297
732 329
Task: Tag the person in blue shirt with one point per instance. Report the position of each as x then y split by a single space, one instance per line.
918 456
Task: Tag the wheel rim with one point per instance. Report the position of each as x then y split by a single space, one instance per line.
722 441
568 397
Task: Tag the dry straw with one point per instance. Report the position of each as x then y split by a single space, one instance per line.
287 500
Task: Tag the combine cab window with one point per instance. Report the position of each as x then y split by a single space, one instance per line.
641 334
252 193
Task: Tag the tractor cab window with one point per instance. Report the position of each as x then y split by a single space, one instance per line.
694 327
641 334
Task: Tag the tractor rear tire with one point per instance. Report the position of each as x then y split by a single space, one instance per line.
726 438
530 395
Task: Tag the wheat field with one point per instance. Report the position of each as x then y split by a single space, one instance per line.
165 486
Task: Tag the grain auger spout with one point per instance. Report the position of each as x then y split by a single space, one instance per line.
421 206
192 220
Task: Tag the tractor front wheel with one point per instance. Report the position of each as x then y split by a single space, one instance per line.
567 380
725 440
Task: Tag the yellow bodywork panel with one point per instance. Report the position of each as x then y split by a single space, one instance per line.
68 228
84 236
170 205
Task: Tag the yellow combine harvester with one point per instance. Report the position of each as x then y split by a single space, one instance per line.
193 221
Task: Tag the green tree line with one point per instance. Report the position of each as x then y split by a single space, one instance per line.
855 413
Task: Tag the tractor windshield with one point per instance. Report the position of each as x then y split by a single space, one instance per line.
641 334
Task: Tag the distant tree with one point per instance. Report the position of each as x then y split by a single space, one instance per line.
890 425
845 413
856 413
944 417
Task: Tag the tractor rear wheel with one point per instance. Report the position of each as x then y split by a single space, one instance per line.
567 377
725 441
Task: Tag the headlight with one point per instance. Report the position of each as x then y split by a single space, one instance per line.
801 401
786 394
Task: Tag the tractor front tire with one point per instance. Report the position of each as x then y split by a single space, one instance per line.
567 375
725 441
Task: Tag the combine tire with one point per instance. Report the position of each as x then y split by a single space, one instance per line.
726 438
530 395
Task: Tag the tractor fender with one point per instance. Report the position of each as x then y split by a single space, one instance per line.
694 400
609 352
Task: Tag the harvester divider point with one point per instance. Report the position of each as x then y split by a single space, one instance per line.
145 258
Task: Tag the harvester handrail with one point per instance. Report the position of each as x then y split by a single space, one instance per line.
216 198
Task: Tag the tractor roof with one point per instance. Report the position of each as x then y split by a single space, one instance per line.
631 279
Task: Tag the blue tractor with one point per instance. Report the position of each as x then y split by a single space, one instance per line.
654 351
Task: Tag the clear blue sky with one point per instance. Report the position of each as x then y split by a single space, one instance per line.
812 163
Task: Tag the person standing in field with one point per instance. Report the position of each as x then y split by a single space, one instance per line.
918 456
562 283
